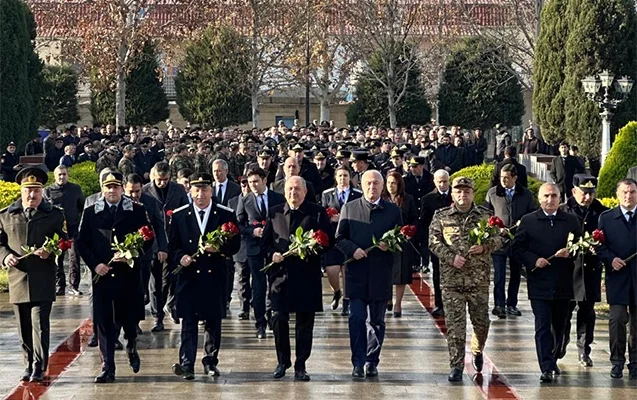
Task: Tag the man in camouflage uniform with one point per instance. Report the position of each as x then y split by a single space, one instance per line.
201 158
464 274
180 160
126 164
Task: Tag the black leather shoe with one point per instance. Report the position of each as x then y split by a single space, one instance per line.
546 377
180 371
75 292
358 373
455 375
119 345
398 314
345 310
499 311
134 361
617 372
244 315
93 341
139 330
60 292
390 305
336 299
105 377
158 327
438 312
632 373
371 371
211 370
585 361
279 371
513 311
26 375
172 314
478 362
37 375
301 376
261 332
557 370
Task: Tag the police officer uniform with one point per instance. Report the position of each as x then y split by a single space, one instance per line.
9 160
32 280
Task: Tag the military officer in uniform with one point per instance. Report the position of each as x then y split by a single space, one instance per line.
118 296
29 221
587 276
419 182
9 164
200 287
325 170
465 270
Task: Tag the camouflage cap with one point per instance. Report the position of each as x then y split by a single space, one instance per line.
462 181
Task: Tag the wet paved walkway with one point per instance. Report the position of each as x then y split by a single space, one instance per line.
414 362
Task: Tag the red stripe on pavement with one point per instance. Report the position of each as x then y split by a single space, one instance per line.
491 383
62 357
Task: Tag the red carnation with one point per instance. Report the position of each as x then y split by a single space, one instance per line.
146 233
331 212
321 238
598 236
495 221
230 228
258 223
169 213
409 231
65 245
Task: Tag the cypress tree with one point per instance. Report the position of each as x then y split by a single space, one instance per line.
477 89
59 96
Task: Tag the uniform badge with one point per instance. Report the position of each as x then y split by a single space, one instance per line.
64 227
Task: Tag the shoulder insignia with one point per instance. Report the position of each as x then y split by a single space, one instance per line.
443 210
64 229
58 207
357 190
181 208
222 207
330 190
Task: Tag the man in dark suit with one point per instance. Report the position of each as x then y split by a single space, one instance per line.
510 202
144 159
118 297
133 189
200 287
541 235
563 168
481 145
587 277
447 156
419 182
29 221
291 168
509 159
223 191
170 196
432 201
252 212
369 278
241 259
295 284
620 228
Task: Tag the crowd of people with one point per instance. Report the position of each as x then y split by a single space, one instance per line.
185 184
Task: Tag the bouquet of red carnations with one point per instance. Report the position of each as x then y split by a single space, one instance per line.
54 246
332 212
131 247
304 244
488 229
215 239
392 238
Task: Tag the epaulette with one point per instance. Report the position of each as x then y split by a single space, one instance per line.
222 207
181 208
405 176
330 190
444 209
58 207
357 190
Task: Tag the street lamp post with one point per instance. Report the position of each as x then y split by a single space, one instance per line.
605 80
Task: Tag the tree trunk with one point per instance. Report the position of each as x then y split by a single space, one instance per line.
120 88
391 107
254 97
325 109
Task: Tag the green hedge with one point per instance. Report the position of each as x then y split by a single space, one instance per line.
4 280
9 192
84 175
621 157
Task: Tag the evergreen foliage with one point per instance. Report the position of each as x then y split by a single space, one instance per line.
59 96
620 158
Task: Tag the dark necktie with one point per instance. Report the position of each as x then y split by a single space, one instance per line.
202 214
341 198
631 218
219 193
551 218
113 209
28 213
262 205
509 194
418 180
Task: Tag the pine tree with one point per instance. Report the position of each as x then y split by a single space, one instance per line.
59 96
211 83
477 91
146 101
19 74
371 105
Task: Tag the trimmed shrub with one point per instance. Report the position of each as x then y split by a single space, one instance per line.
84 175
9 192
621 157
481 175
610 202
4 280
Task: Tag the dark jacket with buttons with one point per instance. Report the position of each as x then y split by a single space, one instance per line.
33 279
71 199
200 287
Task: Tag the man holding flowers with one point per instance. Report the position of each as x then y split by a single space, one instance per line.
118 295
31 221
465 269
295 280
202 235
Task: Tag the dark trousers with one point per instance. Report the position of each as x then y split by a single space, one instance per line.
245 290
258 289
189 340
107 334
585 326
160 289
34 329
146 265
499 280
74 269
230 280
423 257
435 264
303 328
550 322
366 330
620 315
